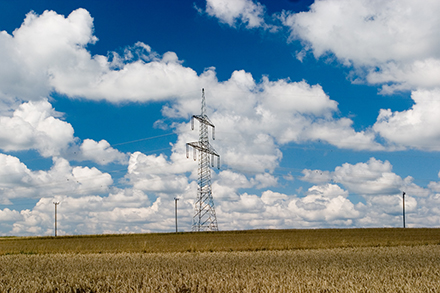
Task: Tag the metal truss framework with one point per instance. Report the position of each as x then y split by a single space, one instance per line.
204 218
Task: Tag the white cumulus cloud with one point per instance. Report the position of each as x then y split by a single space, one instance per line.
374 177
393 44
100 152
232 11
418 127
18 181
34 125
395 41
327 203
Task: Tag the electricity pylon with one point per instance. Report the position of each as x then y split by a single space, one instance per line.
204 218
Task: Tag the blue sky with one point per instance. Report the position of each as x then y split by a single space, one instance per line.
325 113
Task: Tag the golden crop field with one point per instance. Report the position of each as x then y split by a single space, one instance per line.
367 269
327 260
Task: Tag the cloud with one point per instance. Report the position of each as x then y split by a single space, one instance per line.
386 211
374 177
62 179
427 213
253 119
154 173
7 215
327 203
41 46
121 211
48 53
250 211
382 191
281 111
400 76
287 111
323 206
152 209
316 176
247 203
371 178
232 12
88 214
233 180
227 184
14 174
140 81
393 42
417 127
100 152
33 125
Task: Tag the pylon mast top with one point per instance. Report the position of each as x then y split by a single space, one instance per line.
203 118
203 144
203 111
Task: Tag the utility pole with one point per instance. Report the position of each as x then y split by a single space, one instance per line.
56 204
175 210
204 218
403 209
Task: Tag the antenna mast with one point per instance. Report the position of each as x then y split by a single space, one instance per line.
204 218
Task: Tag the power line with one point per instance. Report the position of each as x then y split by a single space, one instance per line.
143 139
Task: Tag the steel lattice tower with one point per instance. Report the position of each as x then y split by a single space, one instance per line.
204 218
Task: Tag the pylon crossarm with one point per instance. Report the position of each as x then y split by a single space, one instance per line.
198 146
204 119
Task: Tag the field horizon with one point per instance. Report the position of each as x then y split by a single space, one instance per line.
236 240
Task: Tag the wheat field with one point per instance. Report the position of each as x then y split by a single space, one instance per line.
324 260
367 269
